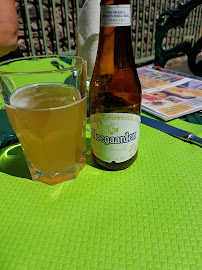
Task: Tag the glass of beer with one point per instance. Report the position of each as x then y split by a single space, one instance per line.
45 100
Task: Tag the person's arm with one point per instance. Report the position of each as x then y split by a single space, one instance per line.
8 27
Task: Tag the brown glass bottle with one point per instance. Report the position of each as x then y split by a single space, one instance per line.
115 90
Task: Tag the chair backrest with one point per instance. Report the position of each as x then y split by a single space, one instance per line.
171 19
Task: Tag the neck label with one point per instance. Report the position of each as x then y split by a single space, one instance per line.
115 15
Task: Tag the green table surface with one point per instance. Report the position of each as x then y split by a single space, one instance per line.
145 217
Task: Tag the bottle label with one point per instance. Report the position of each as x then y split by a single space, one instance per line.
114 136
115 15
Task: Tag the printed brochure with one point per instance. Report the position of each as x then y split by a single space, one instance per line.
167 95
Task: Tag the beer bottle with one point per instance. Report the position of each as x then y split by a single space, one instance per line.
115 90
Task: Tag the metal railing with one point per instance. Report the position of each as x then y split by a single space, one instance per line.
53 21
145 13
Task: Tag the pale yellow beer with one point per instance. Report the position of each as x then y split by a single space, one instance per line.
50 122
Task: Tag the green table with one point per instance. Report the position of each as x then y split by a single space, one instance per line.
145 217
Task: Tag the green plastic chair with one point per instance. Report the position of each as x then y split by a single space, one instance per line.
175 18
171 19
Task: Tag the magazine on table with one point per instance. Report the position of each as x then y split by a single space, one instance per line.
169 95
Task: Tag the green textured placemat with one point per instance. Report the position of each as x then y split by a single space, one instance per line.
1 103
145 217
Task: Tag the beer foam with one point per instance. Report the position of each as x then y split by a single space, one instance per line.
18 99
44 96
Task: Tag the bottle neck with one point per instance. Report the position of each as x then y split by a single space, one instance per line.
115 45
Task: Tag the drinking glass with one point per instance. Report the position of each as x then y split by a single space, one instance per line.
45 100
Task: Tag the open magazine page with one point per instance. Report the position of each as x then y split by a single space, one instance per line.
169 95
